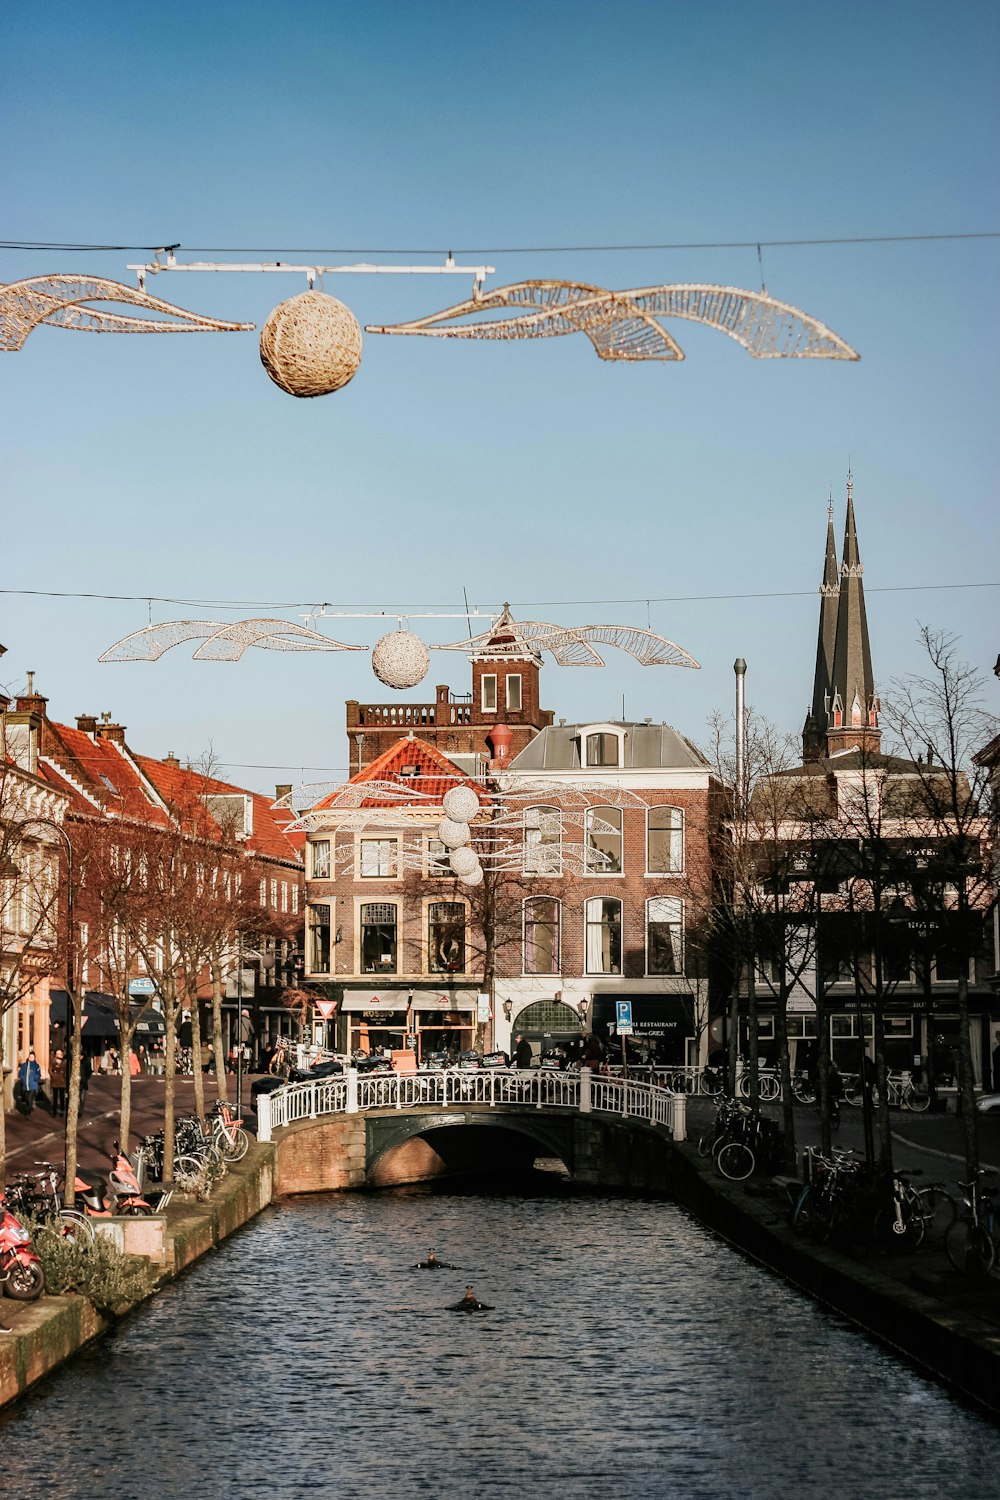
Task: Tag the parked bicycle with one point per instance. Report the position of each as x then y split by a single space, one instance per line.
39 1195
971 1242
902 1092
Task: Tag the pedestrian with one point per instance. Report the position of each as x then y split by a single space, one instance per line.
57 1078
29 1076
134 1066
592 1053
85 1071
834 1093
522 1052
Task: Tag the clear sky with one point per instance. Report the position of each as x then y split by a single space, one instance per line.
530 471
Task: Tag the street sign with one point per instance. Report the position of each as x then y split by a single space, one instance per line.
326 1008
145 986
623 1017
483 1009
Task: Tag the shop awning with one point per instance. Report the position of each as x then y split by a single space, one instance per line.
100 1018
652 1015
398 1000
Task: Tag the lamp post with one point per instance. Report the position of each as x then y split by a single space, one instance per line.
74 1017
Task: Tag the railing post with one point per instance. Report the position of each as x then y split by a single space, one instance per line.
398 1083
678 1117
586 1076
352 1091
263 1117
312 1100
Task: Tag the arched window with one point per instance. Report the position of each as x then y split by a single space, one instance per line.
542 841
604 935
664 841
446 937
541 935
603 749
664 935
604 840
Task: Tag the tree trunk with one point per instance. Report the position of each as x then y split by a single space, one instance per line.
785 1077
3 1111
733 1039
169 1074
966 1082
753 1038
73 1100
218 1049
199 1077
882 1074
823 1075
125 1034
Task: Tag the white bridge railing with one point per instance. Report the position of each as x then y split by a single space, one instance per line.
585 1092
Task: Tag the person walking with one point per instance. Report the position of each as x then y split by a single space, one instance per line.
522 1052
57 1078
29 1076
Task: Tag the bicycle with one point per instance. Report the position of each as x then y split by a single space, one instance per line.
39 1195
768 1086
901 1092
971 1242
899 1224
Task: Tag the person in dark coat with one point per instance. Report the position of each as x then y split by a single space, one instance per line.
592 1054
29 1076
522 1052
57 1078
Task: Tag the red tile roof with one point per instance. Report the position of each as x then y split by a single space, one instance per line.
180 786
434 776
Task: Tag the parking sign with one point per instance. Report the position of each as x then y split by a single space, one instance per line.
623 1017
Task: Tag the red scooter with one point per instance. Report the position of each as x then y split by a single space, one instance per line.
21 1271
92 1195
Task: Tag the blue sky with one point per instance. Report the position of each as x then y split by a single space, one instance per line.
531 472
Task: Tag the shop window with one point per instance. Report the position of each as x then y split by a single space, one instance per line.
542 841
604 840
488 688
541 935
665 935
378 937
319 938
604 935
319 853
514 692
378 859
446 937
664 841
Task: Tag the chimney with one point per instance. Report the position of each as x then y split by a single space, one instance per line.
31 702
86 723
106 730
499 739
170 759
283 789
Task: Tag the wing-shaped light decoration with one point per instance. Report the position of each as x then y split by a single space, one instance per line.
59 301
222 642
573 646
624 326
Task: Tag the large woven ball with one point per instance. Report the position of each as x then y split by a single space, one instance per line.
453 835
311 345
464 861
475 877
461 804
400 659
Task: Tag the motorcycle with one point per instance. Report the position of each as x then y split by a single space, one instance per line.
125 1186
21 1271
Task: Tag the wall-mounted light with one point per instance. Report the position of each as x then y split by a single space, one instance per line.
338 936
507 1008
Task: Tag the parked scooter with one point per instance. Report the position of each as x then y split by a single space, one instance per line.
21 1271
125 1186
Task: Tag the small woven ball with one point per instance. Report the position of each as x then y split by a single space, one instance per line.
453 835
461 804
474 878
311 345
400 659
464 862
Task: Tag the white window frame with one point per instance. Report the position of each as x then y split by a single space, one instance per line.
310 927
393 839
488 708
549 820
658 807
557 905
591 902
514 708
612 732
320 864
677 906
604 872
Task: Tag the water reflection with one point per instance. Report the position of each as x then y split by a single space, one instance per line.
629 1354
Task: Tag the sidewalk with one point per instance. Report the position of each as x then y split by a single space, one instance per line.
41 1138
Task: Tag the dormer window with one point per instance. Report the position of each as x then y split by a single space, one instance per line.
489 692
514 692
603 748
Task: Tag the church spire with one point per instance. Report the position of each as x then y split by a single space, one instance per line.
854 707
814 730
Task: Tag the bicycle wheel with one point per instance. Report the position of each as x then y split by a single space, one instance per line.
706 1142
853 1092
76 1227
236 1147
917 1099
804 1092
970 1248
802 1212
735 1161
898 1232
939 1211
710 1083
189 1174
769 1087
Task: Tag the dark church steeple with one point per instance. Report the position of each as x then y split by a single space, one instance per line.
845 706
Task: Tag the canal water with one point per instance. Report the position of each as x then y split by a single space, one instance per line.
629 1354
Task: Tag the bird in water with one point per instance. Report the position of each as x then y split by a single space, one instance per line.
470 1303
433 1264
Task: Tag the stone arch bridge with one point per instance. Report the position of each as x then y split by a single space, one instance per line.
379 1130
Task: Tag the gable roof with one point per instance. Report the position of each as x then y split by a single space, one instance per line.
181 786
434 775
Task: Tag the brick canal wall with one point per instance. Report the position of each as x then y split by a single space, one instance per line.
50 1331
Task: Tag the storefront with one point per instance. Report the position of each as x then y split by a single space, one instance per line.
423 1021
663 1027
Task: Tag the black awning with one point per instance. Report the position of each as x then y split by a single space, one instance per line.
100 1017
150 1023
652 1015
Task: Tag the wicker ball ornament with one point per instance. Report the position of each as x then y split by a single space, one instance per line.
475 877
311 345
461 804
464 862
400 659
453 835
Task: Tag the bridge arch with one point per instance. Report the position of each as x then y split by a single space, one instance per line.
406 1147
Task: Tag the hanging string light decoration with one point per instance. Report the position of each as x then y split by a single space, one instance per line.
311 345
